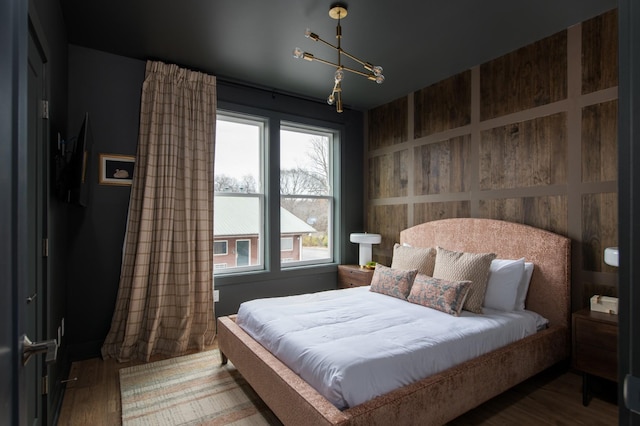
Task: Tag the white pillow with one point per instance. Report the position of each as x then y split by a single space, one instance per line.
505 276
523 287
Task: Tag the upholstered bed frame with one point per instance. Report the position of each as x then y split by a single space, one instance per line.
444 396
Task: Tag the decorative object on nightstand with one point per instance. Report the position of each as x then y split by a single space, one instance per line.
365 241
353 276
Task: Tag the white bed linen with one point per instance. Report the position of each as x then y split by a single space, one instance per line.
353 345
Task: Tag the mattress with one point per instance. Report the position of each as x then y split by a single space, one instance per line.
353 345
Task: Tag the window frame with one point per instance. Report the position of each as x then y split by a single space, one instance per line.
334 141
263 124
273 270
226 247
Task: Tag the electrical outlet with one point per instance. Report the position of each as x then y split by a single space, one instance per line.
216 295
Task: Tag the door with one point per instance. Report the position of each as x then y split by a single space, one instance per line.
629 212
243 252
36 215
13 138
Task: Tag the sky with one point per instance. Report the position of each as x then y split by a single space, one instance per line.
237 143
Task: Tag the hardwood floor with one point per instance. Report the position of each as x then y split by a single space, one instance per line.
553 397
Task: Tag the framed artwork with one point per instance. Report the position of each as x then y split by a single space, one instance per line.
116 169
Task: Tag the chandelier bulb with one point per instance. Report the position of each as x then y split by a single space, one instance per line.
380 79
338 75
331 99
377 70
298 53
307 33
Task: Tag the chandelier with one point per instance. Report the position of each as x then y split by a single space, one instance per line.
339 11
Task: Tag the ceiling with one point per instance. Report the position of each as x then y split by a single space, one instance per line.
251 41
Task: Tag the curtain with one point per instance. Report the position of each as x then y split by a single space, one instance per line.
165 295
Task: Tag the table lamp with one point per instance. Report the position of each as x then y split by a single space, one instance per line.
365 241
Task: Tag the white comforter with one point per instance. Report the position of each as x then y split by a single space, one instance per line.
353 345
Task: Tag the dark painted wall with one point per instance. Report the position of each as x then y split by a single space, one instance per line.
108 87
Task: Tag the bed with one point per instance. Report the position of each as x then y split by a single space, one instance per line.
445 395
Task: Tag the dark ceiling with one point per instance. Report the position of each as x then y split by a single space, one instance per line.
251 41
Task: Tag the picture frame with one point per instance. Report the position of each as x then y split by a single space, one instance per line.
116 169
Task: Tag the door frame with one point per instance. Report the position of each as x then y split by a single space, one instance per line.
36 317
13 160
628 200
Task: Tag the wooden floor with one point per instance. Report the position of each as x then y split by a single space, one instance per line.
554 397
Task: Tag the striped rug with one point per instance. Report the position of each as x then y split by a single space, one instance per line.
190 390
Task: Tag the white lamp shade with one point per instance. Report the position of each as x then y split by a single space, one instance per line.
365 241
611 256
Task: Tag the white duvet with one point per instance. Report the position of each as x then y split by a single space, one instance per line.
353 345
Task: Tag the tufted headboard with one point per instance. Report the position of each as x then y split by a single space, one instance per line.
550 288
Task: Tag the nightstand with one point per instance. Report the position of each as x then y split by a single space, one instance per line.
595 347
353 276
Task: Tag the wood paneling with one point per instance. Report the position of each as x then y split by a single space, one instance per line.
600 142
388 124
600 52
388 221
426 212
443 167
388 175
525 154
547 212
533 147
532 76
443 106
599 229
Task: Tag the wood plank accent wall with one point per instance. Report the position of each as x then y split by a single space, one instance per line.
530 137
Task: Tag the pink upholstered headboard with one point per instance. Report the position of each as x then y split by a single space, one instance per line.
550 289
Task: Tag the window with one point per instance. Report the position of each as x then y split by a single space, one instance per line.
220 248
239 195
306 192
305 204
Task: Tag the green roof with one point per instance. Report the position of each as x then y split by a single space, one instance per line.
240 216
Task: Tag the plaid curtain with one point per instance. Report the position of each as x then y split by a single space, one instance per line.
165 297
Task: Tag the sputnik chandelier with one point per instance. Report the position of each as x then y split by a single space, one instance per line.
339 11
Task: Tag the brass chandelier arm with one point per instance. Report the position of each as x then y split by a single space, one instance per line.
366 65
310 57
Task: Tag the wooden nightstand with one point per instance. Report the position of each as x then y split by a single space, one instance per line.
595 347
353 276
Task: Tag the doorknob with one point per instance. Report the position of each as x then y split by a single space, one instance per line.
50 347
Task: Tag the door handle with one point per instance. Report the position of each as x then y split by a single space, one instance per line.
31 298
50 347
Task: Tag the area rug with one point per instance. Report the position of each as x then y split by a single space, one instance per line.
190 390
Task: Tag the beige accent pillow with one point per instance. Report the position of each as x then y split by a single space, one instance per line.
407 258
461 266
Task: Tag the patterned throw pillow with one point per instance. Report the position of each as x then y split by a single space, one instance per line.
443 295
461 266
407 257
392 282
